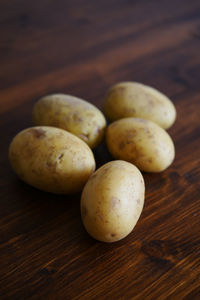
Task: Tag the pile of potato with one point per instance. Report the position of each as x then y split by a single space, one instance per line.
55 155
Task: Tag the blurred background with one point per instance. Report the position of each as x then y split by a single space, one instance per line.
82 47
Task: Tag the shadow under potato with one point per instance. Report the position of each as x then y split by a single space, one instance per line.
102 155
50 214
35 210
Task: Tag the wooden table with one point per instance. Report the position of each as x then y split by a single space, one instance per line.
82 48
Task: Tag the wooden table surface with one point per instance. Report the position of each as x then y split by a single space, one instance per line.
82 48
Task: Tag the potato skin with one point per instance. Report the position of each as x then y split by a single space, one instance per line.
72 114
140 142
112 201
51 159
132 99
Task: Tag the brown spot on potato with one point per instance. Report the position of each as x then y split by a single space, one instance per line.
60 156
130 135
113 234
51 165
150 135
151 102
99 217
34 171
38 133
115 91
131 111
121 145
121 89
76 118
150 160
134 152
138 201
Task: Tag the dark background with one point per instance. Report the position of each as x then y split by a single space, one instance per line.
82 48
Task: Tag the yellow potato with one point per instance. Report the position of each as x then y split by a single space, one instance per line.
112 201
140 142
51 159
132 99
72 114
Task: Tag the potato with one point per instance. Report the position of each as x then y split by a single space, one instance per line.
72 114
140 142
112 201
51 159
132 99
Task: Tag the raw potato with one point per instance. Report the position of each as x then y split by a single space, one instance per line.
132 99
51 159
72 114
140 142
112 201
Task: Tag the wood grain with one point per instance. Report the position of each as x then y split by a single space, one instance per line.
82 48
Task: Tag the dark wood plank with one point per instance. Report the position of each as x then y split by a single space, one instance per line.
82 48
